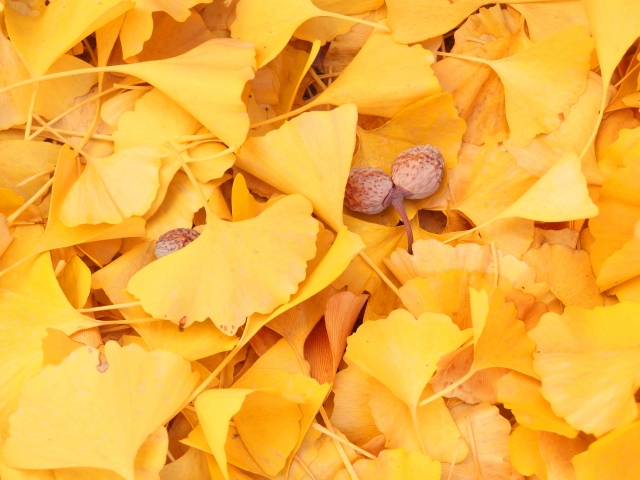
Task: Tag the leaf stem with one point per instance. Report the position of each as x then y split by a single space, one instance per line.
192 178
109 307
329 433
356 20
375 268
29 202
465 57
449 388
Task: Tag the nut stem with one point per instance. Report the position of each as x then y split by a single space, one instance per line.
397 200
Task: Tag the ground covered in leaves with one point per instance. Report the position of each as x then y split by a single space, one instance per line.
295 338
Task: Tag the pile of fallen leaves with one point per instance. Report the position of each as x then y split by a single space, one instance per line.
183 294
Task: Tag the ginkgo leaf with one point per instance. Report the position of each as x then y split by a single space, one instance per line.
149 461
432 121
588 363
567 272
431 431
500 339
269 26
75 282
5 235
521 394
308 394
244 267
572 135
615 226
191 464
536 89
113 188
42 39
546 18
432 257
395 465
353 390
155 119
612 456
487 432
318 454
402 352
311 155
56 96
296 324
57 234
29 289
495 324
115 401
215 409
524 452
218 70
323 270
15 103
615 25
380 241
138 22
371 79
495 183
560 194
20 159
413 21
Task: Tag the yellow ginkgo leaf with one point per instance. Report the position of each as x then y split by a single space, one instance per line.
432 121
567 272
353 390
308 394
42 39
431 431
155 119
5 235
432 257
616 229
56 96
546 18
75 282
137 26
20 159
487 434
500 339
15 103
115 401
496 182
193 464
269 26
402 352
560 194
588 361
395 465
113 188
215 408
30 289
311 155
218 70
329 263
371 79
57 234
232 269
412 21
615 25
617 455
149 460
521 394
318 454
524 452
571 137
380 241
537 89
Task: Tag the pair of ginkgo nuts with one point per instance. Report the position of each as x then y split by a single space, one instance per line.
416 173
